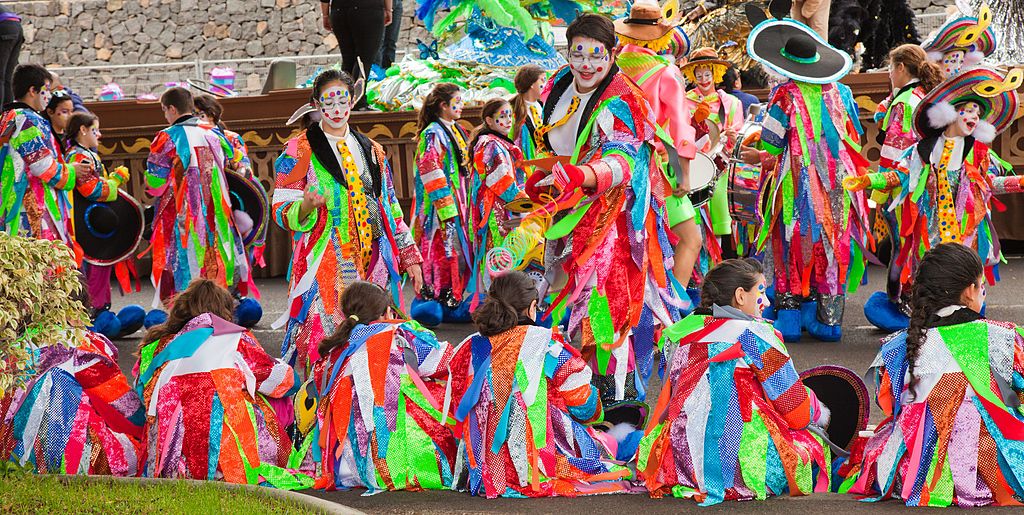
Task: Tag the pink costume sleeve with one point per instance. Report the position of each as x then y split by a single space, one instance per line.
672 110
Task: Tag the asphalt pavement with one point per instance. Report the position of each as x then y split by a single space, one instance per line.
855 351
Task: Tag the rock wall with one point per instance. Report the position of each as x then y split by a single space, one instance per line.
104 35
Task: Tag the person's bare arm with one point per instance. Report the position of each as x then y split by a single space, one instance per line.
388 10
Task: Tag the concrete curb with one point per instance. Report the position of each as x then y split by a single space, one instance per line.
315 504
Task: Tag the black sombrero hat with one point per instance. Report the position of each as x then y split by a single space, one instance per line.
844 393
793 50
247 195
108 232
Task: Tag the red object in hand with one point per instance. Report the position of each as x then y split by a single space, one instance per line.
532 190
567 177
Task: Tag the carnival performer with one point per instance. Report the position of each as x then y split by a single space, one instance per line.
708 106
498 179
814 232
962 42
648 52
379 416
611 247
733 421
194 230
944 184
336 194
209 111
206 385
34 181
77 415
527 108
441 222
950 387
522 400
100 185
911 76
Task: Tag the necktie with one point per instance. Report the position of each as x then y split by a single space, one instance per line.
949 227
574 104
357 204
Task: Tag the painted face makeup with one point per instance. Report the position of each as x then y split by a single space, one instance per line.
45 95
335 105
590 63
762 298
969 115
952 62
705 79
502 121
456 105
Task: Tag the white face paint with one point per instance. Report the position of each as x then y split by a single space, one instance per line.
952 62
969 115
335 105
502 120
705 78
455 106
589 61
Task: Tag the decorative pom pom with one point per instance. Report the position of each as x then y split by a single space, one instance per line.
984 132
935 56
973 58
941 114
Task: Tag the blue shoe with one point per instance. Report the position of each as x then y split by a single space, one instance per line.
427 312
628 446
884 313
824 332
132 318
154 317
823 317
787 322
248 312
461 314
107 324
808 312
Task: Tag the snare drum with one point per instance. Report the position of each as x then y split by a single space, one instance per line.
744 189
702 179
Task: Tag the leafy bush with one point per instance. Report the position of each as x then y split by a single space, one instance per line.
39 304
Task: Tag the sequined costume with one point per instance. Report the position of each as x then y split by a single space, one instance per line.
205 391
955 437
194 233
614 246
527 132
34 181
359 234
76 415
441 222
498 179
895 119
815 232
240 160
731 422
379 418
522 399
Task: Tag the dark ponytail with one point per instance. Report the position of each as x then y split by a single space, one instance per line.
361 303
431 110
525 78
509 298
721 282
944 273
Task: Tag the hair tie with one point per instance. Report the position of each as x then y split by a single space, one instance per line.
354 317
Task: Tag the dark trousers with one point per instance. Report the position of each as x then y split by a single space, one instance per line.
359 27
386 56
11 38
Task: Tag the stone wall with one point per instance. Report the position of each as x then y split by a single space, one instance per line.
103 34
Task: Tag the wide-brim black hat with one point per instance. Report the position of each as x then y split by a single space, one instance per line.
843 392
248 195
108 232
793 50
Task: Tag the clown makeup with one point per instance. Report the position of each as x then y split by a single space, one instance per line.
335 105
452 110
89 137
502 120
590 63
705 78
44 97
753 301
952 62
968 116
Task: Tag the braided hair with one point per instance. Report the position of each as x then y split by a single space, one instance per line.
944 273
721 282
361 303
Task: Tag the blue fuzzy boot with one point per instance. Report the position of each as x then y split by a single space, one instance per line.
826 317
427 312
461 314
787 322
107 324
154 317
248 312
132 317
884 313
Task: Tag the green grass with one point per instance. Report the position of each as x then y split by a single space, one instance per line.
47 494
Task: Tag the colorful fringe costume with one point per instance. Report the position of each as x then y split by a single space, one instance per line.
522 402
895 119
615 245
441 222
240 161
498 180
815 232
205 391
731 420
358 235
527 135
35 180
957 436
100 185
77 415
379 423
194 233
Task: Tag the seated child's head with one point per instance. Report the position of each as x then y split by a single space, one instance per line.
84 129
738 283
362 303
512 296
201 296
949 275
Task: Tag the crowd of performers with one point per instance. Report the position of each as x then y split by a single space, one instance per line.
580 230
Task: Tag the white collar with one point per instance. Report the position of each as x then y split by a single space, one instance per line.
949 310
